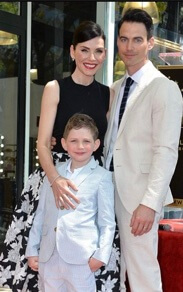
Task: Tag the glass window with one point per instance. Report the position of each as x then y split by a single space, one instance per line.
11 7
168 32
8 130
53 24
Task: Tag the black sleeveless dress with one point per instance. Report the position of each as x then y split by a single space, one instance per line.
14 272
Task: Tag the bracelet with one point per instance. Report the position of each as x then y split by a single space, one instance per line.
54 180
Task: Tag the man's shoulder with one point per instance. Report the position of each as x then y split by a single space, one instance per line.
117 83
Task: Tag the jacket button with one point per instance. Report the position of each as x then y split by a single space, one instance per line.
55 229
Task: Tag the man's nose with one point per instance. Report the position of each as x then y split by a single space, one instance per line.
129 45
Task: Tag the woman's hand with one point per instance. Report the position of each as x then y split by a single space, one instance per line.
62 193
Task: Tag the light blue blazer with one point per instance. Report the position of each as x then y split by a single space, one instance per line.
81 233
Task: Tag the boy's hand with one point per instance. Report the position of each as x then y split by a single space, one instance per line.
33 263
95 264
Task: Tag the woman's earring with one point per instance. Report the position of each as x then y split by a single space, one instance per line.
73 59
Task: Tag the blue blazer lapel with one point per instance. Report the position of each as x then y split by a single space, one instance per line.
87 169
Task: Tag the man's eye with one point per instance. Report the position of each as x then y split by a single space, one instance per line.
122 40
138 40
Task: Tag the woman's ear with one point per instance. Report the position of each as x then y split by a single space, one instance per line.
64 144
72 52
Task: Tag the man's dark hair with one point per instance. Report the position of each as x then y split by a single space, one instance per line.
138 15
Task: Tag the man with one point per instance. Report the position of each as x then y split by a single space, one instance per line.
144 150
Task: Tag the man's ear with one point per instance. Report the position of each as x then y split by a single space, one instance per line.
64 144
97 144
150 43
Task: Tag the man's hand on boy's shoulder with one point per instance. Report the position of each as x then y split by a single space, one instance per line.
95 264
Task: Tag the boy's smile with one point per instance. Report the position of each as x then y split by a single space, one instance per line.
80 145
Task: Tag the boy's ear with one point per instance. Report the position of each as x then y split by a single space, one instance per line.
97 144
64 145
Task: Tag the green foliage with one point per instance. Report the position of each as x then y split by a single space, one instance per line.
161 6
12 7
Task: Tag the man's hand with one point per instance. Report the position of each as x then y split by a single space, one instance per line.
33 263
142 220
62 193
95 264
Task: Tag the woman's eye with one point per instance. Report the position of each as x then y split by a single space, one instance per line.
99 51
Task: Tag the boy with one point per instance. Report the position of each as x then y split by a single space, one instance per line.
70 245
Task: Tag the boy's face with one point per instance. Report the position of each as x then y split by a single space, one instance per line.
80 145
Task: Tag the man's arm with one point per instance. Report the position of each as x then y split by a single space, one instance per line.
166 126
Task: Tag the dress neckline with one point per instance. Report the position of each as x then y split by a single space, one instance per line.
81 85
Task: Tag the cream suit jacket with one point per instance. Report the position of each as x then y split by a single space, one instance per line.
81 233
146 149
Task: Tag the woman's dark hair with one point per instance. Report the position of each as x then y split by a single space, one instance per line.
86 31
138 15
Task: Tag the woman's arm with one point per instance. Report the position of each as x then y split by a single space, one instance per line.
60 186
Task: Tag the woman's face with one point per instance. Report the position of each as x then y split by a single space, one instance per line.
89 56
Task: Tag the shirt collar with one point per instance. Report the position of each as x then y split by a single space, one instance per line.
137 75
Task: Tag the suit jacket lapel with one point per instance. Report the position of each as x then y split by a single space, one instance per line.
136 96
85 172
87 169
129 106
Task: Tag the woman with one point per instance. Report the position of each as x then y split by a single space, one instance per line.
79 92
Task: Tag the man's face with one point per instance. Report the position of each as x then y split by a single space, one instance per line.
133 45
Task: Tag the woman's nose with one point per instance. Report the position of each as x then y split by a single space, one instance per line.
92 56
